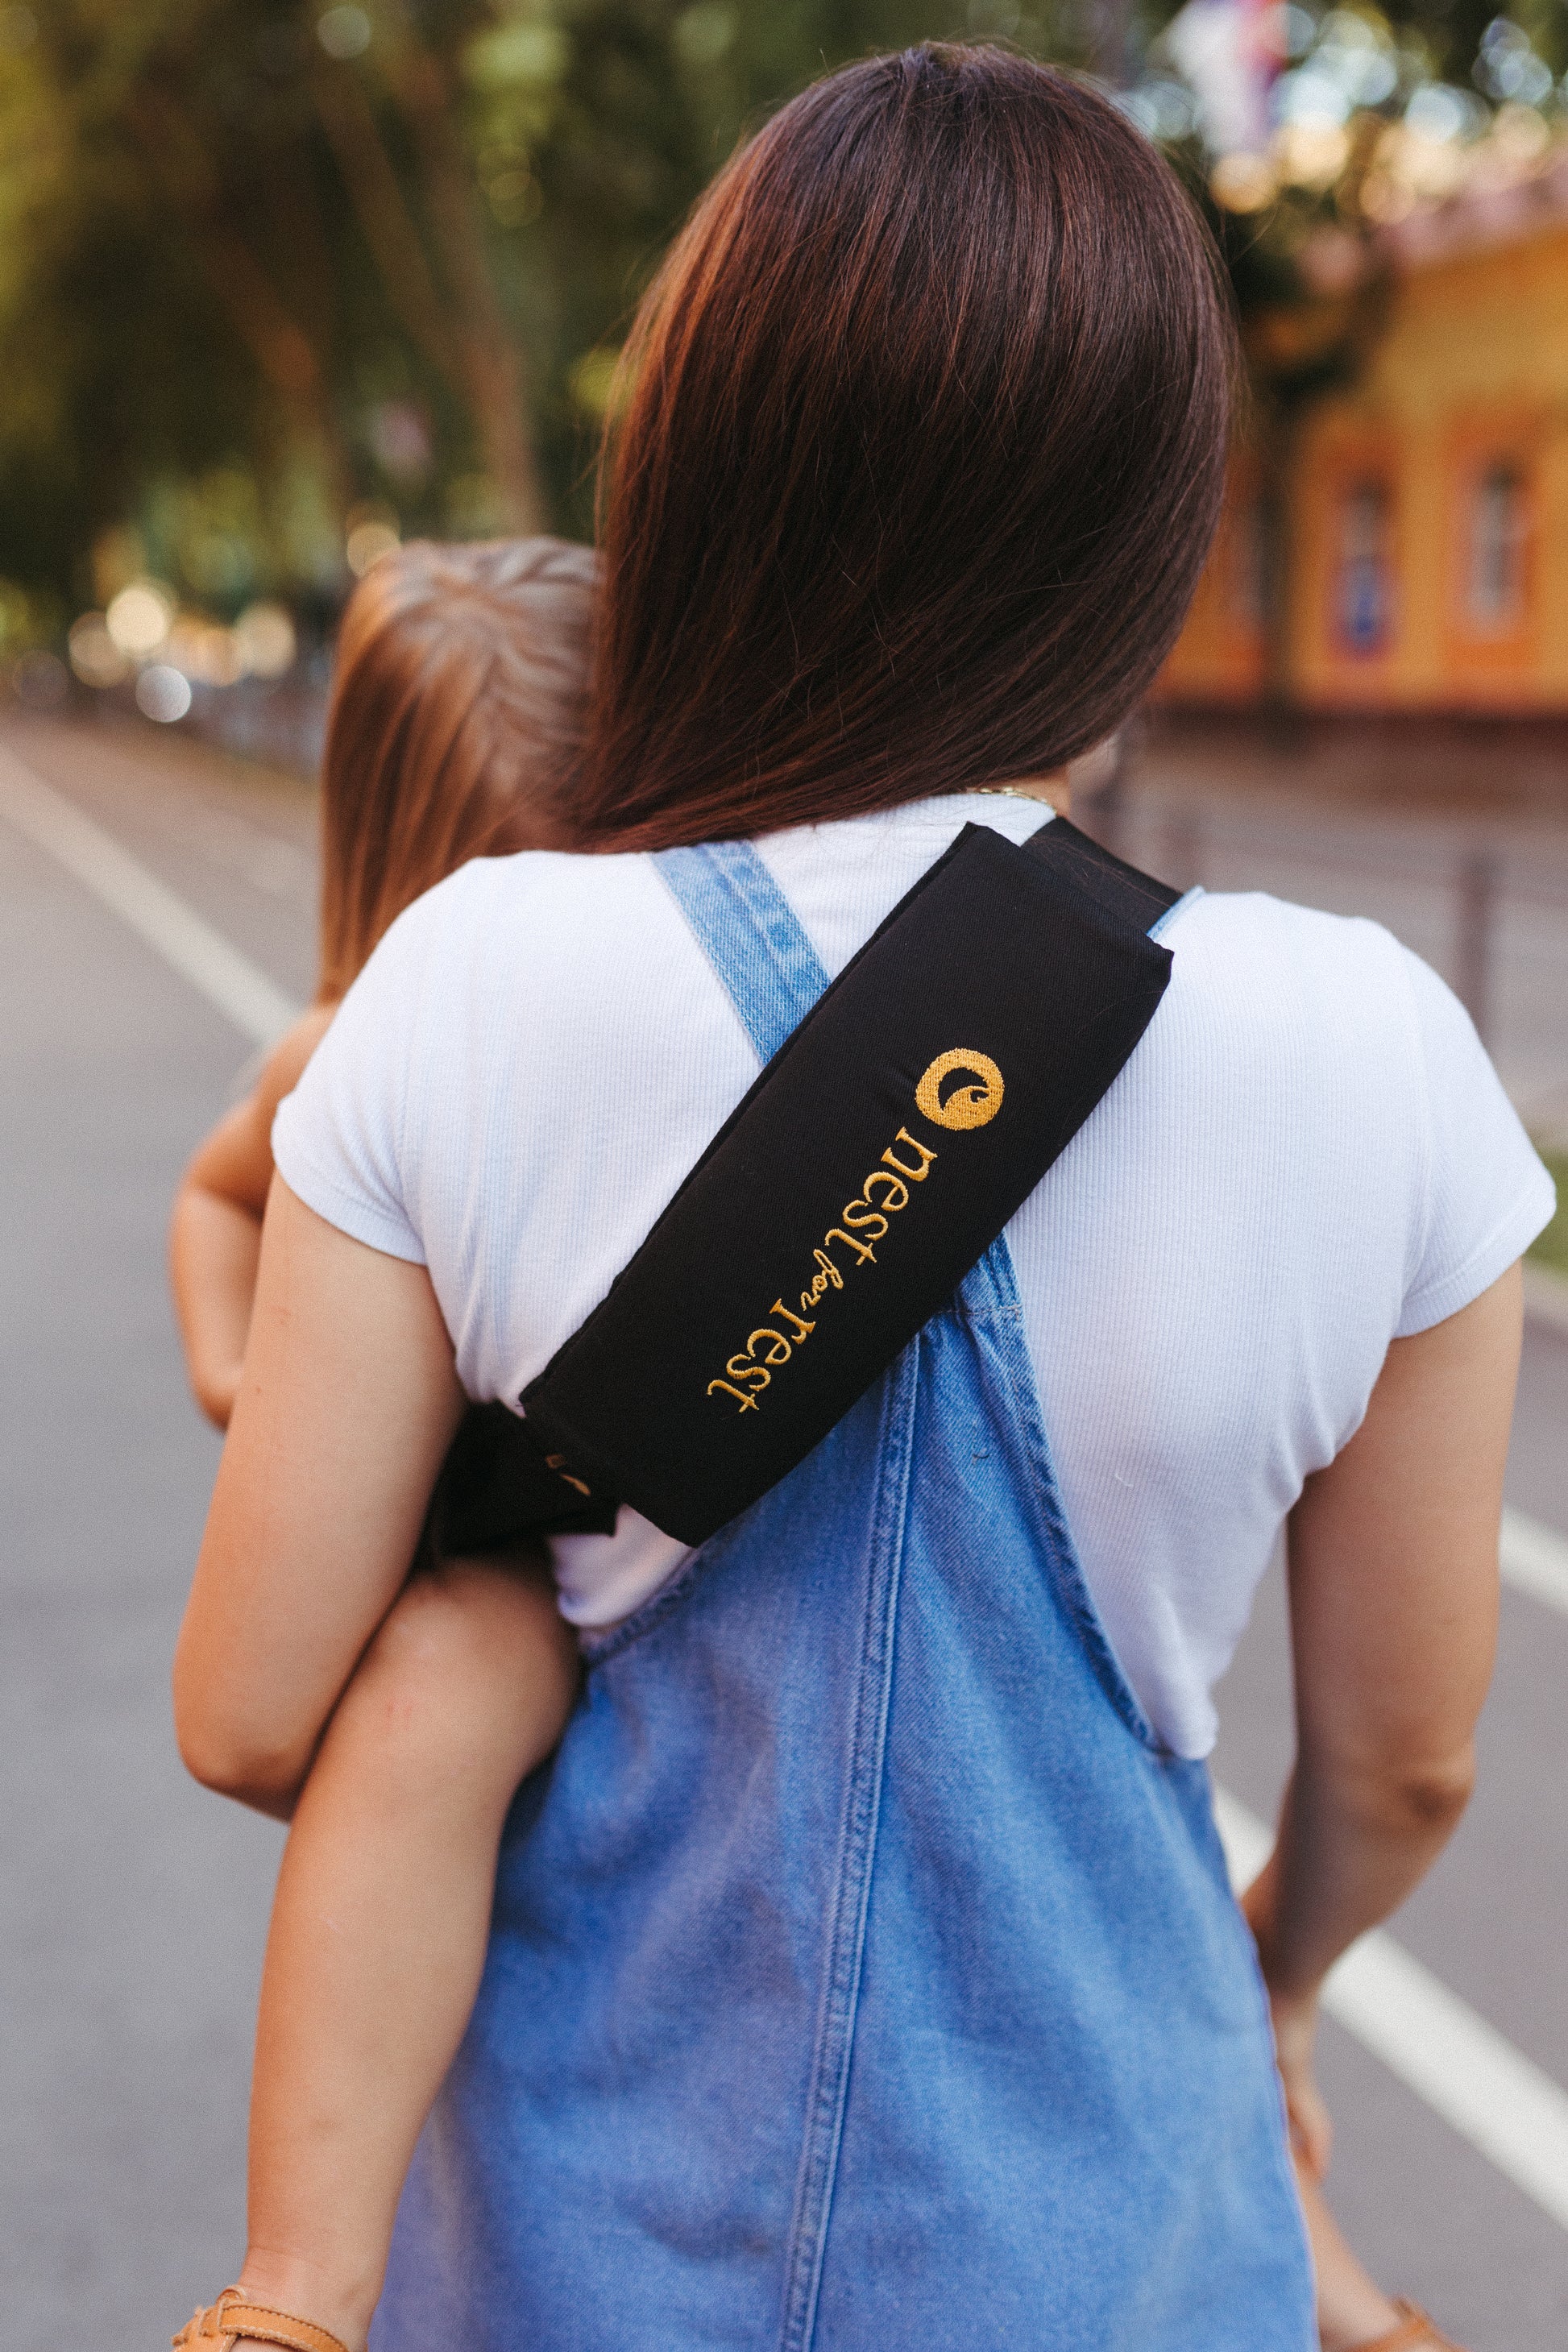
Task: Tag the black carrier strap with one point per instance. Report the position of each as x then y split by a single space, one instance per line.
874 1161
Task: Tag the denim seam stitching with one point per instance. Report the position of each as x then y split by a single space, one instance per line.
711 882
599 1649
699 894
796 965
1006 1318
828 2093
714 883
1172 915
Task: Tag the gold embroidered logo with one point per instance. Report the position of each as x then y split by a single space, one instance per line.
883 1194
557 1462
971 1105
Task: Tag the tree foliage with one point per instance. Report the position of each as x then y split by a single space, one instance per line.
264 263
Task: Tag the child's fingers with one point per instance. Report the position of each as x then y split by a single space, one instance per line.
1311 2125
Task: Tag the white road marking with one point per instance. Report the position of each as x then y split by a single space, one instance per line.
239 989
1535 1561
1464 2069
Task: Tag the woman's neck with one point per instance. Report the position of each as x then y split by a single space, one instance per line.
1053 788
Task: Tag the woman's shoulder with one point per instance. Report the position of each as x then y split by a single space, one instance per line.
526 875
1339 1067
1241 928
534 900
1257 970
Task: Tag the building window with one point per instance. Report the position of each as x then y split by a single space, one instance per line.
1497 523
1365 598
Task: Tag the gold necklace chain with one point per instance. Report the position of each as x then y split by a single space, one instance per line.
1011 792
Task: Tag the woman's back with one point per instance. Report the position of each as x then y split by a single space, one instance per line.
1308 1155
864 1970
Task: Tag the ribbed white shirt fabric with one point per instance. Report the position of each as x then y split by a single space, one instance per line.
1308 1155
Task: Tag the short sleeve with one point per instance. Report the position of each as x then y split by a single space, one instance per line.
337 1140
1487 1193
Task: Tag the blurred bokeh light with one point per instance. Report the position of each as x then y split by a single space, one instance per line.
138 619
163 693
290 284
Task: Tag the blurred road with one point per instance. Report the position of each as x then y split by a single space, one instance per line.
1484 898
135 1907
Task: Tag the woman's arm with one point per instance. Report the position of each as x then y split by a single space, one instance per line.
1394 1599
214 1233
346 1407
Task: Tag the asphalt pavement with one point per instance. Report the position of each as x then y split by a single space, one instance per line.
132 1905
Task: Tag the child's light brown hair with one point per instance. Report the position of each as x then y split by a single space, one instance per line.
455 728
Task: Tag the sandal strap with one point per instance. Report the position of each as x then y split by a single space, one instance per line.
231 2316
1415 2332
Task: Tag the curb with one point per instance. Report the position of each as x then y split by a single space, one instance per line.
1546 1298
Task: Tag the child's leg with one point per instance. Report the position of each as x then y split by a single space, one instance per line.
1352 2309
381 1919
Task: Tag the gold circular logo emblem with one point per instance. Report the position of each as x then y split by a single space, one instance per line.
970 1105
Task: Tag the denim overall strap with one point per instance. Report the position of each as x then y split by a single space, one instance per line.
757 946
749 933
753 938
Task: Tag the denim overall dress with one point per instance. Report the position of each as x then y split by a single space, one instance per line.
864 1975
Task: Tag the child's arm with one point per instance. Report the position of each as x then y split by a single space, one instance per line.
214 1234
382 1916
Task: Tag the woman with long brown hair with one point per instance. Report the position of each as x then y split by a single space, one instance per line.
862 1971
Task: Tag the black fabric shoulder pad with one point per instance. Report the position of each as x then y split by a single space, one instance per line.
876 1159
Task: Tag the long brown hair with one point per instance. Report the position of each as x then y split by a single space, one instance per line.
922 457
455 729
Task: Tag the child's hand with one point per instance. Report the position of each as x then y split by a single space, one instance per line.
1295 2015
214 1234
1295 2040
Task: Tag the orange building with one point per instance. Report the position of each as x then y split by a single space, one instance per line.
1425 543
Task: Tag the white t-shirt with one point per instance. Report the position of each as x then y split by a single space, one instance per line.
1308 1155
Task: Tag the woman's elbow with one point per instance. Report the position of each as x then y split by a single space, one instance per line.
1409 1799
1432 1798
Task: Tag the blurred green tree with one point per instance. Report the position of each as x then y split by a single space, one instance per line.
266 261
261 262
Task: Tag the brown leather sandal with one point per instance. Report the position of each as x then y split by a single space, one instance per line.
1415 2332
220 2326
